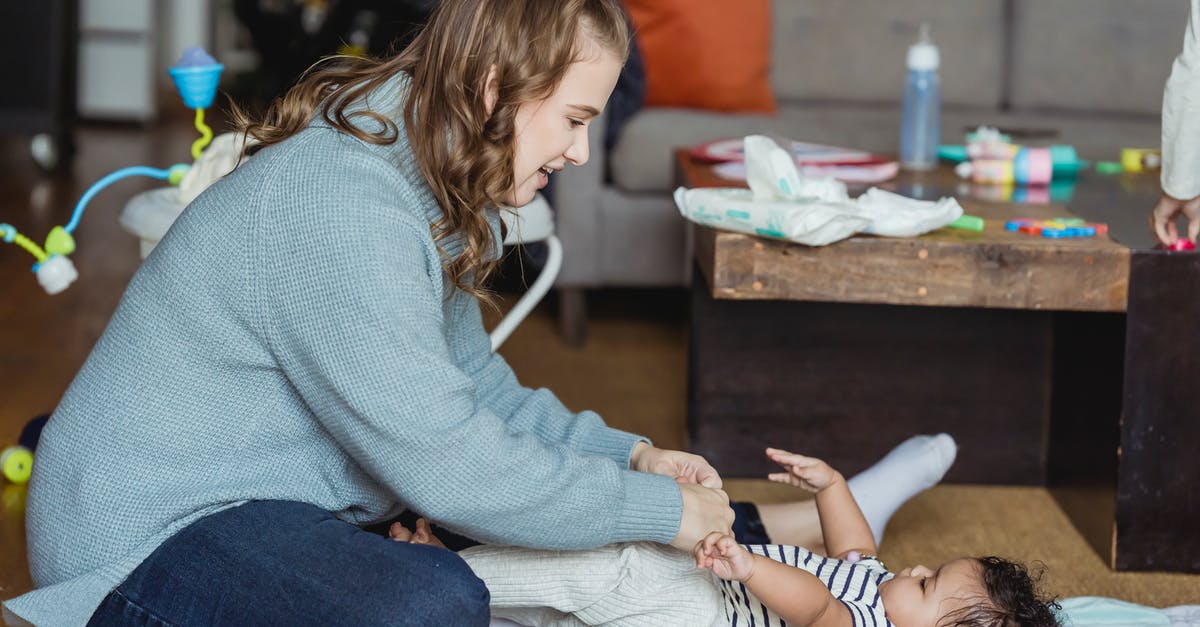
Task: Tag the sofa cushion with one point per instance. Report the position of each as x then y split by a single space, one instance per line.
854 50
707 54
643 158
1095 55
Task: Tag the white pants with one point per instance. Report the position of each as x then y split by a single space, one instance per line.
625 585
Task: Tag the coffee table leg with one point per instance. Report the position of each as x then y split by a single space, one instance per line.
1085 414
1158 484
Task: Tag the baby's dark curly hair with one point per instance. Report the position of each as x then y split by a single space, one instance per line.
1013 599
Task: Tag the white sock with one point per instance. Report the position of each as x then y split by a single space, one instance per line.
914 466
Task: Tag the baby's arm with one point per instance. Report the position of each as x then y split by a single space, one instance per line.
842 522
792 593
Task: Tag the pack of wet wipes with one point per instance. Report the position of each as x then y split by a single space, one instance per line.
782 204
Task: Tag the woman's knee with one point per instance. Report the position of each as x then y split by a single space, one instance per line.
438 588
457 585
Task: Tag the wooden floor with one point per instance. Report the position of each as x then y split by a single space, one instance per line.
632 370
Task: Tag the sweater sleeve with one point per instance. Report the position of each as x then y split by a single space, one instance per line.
526 410
351 297
1181 117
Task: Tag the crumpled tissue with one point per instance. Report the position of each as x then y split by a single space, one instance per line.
813 211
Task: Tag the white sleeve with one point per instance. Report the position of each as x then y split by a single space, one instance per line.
1181 117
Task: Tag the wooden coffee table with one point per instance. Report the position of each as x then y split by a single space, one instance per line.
1070 363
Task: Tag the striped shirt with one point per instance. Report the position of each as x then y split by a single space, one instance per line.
855 584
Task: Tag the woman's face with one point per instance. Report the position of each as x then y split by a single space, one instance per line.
553 132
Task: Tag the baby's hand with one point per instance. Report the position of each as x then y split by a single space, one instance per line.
423 534
808 473
724 556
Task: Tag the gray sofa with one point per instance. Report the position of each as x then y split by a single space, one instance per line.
1091 69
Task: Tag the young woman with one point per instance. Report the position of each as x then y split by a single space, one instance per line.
302 355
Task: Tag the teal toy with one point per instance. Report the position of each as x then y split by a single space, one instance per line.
196 77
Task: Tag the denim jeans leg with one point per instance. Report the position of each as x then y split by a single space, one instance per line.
279 562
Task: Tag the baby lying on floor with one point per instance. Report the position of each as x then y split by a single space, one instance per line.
852 587
726 583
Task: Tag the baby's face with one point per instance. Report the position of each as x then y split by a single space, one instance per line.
919 597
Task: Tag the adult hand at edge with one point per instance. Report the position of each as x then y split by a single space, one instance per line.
705 510
1162 219
683 467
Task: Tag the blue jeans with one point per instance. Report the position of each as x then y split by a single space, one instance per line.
285 563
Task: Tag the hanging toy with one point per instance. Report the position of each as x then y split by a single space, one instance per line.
196 76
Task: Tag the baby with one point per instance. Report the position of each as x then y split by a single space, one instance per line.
771 584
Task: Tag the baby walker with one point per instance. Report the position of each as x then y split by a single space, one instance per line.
196 76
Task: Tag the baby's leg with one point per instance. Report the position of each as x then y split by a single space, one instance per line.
625 585
915 465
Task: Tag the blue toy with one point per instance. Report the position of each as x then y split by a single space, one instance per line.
196 76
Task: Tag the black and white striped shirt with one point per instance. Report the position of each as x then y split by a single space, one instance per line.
855 584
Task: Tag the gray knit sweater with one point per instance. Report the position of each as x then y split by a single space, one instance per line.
294 337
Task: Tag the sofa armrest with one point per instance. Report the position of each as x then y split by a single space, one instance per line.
576 200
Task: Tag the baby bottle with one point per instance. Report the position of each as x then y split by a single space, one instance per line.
921 123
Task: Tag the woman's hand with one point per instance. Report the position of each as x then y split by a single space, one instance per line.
683 467
1162 219
722 554
705 510
804 472
423 534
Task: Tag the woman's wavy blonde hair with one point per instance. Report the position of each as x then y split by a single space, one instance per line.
465 154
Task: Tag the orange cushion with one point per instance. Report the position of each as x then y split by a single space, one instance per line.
706 54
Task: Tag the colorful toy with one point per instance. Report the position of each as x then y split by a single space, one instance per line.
967 223
1027 166
987 142
196 76
993 158
1140 159
16 462
1057 228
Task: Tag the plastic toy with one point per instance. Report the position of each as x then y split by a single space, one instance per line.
987 142
196 76
1018 173
1057 228
1026 166
1140 159
1181 245
16 462
967 223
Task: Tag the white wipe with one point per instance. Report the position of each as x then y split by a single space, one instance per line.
814 211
